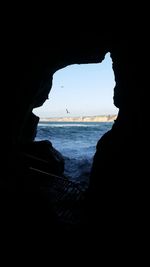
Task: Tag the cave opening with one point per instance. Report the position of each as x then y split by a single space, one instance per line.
77 113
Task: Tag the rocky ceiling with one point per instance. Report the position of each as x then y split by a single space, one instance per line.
34 56
118 189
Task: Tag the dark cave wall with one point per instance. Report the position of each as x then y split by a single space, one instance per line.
32 59
36 67
36 62
117 200
118 187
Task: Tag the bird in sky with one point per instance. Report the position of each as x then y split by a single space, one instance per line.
67 110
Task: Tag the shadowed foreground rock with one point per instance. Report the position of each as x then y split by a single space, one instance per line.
117 199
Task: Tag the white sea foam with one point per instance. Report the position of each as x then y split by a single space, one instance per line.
67 124
76 142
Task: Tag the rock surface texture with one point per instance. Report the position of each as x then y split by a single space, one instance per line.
116 202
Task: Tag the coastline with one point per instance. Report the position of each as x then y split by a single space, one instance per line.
100 118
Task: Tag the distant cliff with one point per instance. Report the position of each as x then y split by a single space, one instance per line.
101 118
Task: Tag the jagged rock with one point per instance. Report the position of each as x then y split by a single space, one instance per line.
30 61
43 156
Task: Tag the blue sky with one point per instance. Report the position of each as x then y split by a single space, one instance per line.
83 89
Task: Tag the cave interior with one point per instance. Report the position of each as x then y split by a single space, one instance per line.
118 190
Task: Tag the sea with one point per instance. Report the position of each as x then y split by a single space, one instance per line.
76 141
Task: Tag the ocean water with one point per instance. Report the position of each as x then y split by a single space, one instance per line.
76 142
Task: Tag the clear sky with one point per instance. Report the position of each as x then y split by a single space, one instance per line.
82 89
